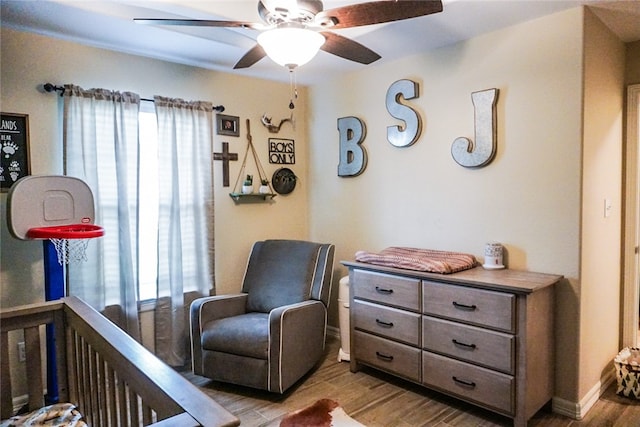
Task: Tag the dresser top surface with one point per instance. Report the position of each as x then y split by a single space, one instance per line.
518 281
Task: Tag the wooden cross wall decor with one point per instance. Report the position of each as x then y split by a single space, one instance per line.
225 156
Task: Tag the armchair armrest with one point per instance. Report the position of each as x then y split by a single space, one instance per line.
291 326
206 309
217 307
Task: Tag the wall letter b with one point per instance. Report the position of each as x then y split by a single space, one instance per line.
353 157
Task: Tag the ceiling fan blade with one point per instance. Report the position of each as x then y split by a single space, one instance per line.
376 12
251 57
348 49
199 23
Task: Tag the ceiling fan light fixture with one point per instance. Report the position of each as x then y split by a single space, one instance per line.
291 47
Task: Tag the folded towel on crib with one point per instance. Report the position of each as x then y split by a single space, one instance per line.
430 260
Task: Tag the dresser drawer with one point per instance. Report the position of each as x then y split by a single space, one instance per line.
403 292
495 350
480 385
476 306
387 355
389 322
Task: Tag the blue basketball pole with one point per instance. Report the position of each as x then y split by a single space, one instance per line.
54 289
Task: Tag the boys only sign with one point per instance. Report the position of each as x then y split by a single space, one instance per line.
282 151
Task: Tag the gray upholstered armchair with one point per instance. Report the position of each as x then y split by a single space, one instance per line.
271 334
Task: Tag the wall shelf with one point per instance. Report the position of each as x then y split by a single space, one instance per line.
240 197
252 197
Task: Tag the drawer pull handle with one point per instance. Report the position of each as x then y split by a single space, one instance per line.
385 324
384 291
464 306
464 383
465 345
384 357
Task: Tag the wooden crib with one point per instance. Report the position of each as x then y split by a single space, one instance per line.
107 375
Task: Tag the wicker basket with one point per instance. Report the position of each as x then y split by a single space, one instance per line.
627 364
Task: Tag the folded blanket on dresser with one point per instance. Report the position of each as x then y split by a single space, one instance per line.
430 260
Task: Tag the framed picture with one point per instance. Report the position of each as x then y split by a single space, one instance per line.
14 148
228 125
282 151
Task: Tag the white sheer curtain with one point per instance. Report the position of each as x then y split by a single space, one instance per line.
101 147
185 221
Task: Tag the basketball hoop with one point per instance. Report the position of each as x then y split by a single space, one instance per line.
70 241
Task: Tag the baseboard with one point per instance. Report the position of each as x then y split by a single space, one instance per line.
578 410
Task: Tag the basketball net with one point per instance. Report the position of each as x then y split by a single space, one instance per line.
70 250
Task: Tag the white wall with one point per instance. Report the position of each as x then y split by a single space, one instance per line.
528 198
604 95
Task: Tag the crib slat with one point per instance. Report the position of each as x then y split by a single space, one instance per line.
147 415
72 363
102 390
135 409
34 367
93 387
61 356
6 403
122 402
86 384
79 380
113 401
85 396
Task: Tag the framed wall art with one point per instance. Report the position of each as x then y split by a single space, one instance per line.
282 151
14 148
228 125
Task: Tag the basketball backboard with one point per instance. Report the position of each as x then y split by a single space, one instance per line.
46 201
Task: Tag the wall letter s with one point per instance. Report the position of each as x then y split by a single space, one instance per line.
395 134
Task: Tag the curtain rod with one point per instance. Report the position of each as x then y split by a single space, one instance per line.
49 87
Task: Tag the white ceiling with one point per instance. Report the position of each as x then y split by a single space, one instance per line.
109 25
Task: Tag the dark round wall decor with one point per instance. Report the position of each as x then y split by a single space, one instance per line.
284 181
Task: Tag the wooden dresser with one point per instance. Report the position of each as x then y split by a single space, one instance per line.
484 336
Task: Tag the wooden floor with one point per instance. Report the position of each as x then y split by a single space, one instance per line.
376 399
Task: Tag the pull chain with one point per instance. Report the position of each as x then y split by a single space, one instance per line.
294 88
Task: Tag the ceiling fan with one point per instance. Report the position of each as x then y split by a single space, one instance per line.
292 31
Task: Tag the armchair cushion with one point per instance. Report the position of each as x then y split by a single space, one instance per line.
275 271
244 335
